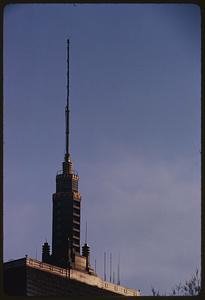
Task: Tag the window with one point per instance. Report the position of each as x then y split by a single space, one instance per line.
76 203
76 211
75 184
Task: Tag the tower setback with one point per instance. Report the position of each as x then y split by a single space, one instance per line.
66 216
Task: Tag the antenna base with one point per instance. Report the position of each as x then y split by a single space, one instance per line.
67 165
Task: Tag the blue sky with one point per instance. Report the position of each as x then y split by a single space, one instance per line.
135 132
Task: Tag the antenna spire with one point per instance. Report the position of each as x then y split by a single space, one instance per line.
67 109
86 232
67 164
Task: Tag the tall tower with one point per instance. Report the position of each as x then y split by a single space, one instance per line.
76 276
66 203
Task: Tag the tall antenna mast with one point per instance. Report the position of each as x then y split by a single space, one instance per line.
67 110
86 232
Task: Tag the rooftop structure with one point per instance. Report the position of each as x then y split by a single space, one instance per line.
31 277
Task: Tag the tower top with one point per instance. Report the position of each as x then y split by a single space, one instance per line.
67 110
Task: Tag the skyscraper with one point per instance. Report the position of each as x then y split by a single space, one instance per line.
66 203
66 209
65 271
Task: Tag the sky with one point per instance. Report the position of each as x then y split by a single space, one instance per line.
135 133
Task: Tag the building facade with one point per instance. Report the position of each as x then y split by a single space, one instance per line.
30 277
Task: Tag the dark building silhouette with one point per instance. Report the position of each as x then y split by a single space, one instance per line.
46 252
64 271
66 216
